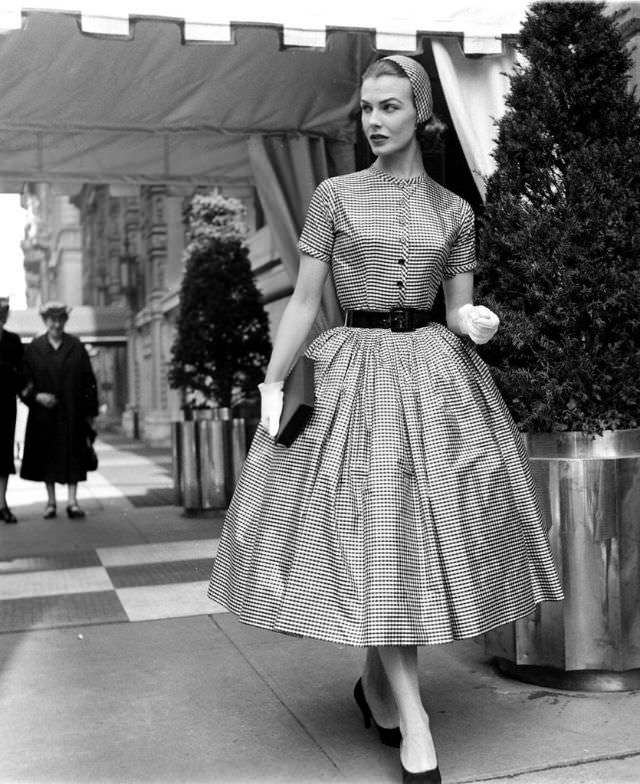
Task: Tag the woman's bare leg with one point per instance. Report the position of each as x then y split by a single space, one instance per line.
378 691
400 662
51 493
72 493
4 480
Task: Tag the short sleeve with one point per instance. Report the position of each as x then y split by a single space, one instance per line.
462 257
318 233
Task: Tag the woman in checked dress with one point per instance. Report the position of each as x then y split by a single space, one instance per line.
405 513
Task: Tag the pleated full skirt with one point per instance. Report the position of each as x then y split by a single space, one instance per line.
404 514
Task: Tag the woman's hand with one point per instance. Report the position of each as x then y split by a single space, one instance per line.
478 322
463 318
271 401
46 399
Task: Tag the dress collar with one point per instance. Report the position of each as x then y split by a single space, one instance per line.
397 180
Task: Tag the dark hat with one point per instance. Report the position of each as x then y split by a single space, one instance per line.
54 308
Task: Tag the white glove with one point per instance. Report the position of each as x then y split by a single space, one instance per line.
271 399
480 323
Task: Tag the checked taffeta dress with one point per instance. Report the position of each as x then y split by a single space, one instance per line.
405 513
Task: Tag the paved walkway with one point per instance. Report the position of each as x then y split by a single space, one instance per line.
127 561
115 669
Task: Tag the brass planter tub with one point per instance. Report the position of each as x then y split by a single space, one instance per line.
589 490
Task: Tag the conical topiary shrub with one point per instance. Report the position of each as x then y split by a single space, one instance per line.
222 342
559 241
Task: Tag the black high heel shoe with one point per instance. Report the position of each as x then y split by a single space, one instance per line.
49 512
74 512
390 736
7 515
424 777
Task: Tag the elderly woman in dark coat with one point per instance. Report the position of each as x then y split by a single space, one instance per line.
61 395
10 375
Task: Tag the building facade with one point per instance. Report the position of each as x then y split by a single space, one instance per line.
133 240
51 246
121 248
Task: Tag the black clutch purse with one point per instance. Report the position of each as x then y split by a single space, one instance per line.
299 399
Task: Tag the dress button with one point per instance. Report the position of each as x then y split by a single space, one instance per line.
400 284
401 262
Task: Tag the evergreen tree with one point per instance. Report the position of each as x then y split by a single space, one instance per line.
222 342
559 241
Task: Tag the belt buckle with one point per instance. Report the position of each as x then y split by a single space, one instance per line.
400 320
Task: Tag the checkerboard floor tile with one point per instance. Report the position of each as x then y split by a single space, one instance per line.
153 602
157 553
42 563
46 612
163 573
52 583
107 585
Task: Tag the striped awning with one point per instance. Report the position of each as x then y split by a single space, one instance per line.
394 27
170 92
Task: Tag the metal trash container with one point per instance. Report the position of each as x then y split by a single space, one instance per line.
238 452
213 461
188 465
208 455
176 461
589 491
243 430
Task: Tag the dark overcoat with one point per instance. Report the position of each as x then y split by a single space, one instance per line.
10 386
55 440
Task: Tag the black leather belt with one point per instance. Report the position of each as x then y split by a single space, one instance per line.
396 319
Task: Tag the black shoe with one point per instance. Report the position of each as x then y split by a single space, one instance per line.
390 736
50 512
424 777
7 515
74 512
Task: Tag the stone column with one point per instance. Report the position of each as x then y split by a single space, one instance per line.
156 424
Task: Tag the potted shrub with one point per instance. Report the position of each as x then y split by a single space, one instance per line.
221 346
559 249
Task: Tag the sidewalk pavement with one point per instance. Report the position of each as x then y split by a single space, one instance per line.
115 669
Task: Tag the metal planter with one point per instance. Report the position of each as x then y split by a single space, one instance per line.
214 459
184 448
589 490
208 455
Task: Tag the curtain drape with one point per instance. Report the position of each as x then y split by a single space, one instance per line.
474 88
286 170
